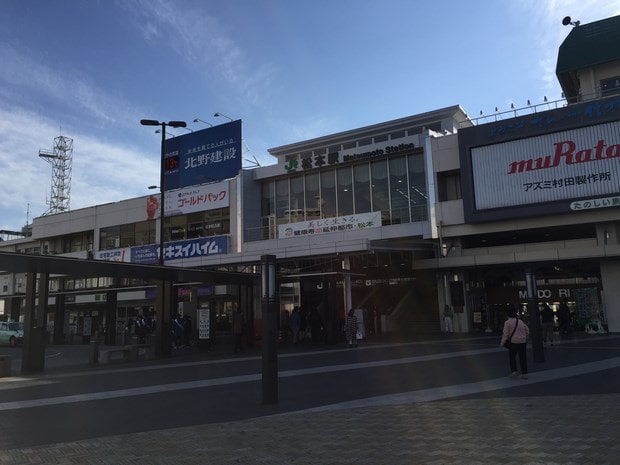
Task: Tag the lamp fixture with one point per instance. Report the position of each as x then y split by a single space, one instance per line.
220 114
198 120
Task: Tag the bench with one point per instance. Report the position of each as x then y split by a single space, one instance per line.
126 353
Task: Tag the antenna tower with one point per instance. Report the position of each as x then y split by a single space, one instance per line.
61 160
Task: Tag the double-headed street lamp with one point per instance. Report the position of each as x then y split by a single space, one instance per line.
173 124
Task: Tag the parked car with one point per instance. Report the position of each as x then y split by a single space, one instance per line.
11 332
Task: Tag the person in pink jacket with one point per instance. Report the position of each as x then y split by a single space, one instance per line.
519 337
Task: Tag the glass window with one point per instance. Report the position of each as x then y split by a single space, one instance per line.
380 189
345 191
399 192
127 235
313 196
362 188
110 237
328 194
417 188
177 226
268 199
282 205
297 199
145 233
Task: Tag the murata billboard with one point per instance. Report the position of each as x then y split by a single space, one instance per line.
552 162
200 157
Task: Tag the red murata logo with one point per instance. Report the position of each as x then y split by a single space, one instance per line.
566 152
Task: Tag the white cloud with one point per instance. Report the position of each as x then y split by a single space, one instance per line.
204 45
102 172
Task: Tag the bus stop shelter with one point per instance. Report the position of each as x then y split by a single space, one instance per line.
43 267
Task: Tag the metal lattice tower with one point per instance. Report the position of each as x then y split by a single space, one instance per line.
61 161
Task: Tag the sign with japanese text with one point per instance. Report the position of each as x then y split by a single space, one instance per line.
197 198
208 155
191 248
204 323
329 225
114 255
308 161
580 163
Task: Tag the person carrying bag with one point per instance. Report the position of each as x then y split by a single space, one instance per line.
514 338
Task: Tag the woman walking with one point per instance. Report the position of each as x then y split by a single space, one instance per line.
352 327
515 333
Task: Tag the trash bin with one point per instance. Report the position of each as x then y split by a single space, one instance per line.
5 365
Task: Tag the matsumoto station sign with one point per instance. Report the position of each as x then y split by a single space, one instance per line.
309 161
204 156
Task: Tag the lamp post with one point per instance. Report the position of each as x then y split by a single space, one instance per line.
197 120
173 124
220 114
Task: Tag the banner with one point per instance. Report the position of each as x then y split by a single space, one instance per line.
328 225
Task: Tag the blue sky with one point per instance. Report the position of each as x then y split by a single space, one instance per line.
291 70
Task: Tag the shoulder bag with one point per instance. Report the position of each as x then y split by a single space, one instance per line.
508 344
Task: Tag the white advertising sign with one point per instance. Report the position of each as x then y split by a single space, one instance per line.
329 225
573 164
204 323
197 198
114 255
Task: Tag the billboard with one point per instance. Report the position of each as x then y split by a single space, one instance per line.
564 165
557 161
197 198
211 154
149 254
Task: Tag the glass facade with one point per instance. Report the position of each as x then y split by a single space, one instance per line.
394 186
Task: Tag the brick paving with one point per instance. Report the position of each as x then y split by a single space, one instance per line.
519 430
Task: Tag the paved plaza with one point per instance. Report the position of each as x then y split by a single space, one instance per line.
484 429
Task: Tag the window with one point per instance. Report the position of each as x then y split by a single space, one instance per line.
282 204
380 189
449 186
77 242
313 196
328 194
362 188
110 237
417 188
345 190
398 190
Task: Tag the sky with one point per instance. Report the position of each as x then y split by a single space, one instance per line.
291 70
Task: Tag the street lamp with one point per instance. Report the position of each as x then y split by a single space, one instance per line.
219 114
197 120
173 124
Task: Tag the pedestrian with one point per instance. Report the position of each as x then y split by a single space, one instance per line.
295 324
237 327
176 331
447 318
187 330
547 323
515 333
564 317
140 329
352 328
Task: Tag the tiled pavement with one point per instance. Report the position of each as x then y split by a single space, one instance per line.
519 430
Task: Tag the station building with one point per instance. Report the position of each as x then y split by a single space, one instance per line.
397 219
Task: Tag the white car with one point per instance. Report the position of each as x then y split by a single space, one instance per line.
11 332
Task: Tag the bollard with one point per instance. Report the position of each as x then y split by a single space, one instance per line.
93 354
